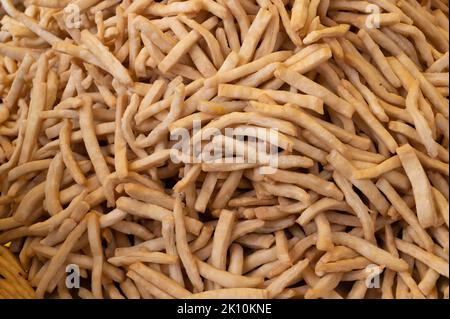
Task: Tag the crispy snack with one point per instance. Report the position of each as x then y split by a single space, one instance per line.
224 149
426 211
221 240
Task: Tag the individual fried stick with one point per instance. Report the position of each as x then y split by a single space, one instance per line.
345 265
149 195
203 238
183 248
282 247
168 233
323 204
120 154
67 155
222 239
299 14
92 146
93 230
236 263
143 256
426 211
331 32
27 168
420 123
441 204
18 82
189 178
37 104
126 122
390 164
254 34
286 190
226 279
206 192
324 241
225 193
52 185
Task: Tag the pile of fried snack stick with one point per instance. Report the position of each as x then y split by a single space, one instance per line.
353 95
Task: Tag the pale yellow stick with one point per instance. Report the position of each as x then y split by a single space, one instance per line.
420 122
53 184
95 242
91 143
254 34
299 14
425 206
183 248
